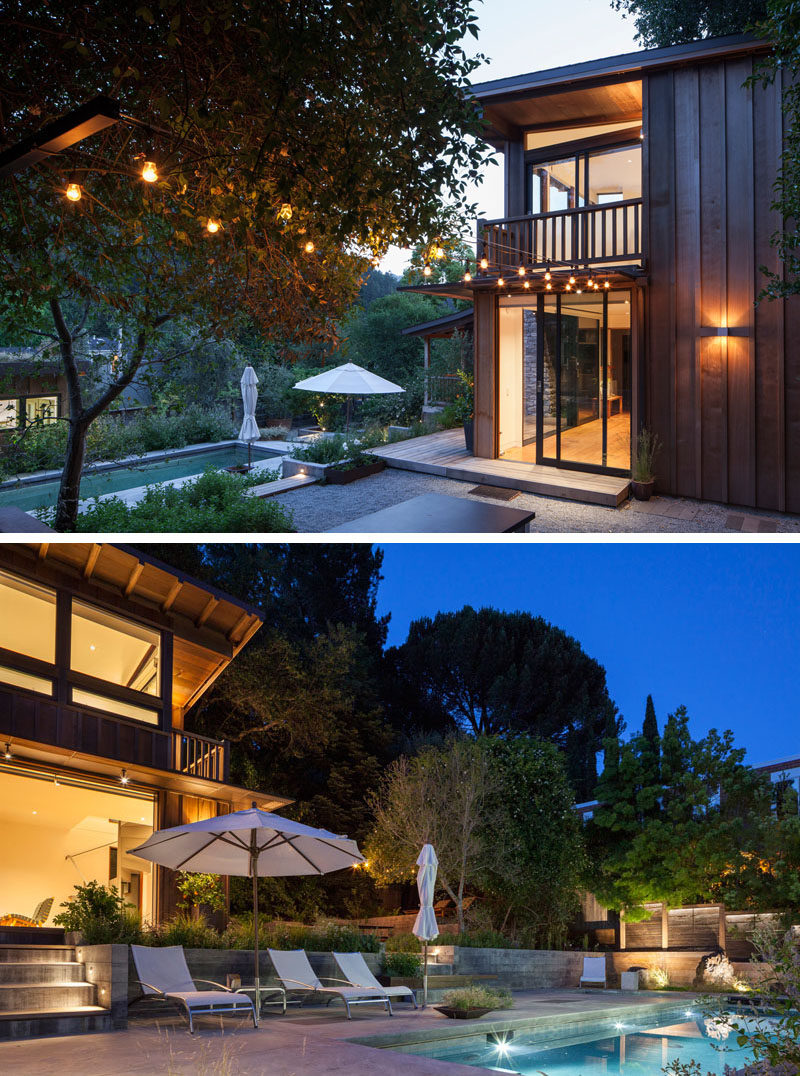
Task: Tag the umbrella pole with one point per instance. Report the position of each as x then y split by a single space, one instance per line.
254 871
349 400
424 973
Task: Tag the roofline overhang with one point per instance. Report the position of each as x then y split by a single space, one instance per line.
626 64
440 326
534 278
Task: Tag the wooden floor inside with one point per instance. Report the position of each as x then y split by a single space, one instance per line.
445 454
584 444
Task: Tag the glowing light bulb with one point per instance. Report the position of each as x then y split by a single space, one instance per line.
212 226
439 253
500 282
149 172
579 291
568 287
7 753
572 280
606 284
596 286
285 212
589 282
526 284
123 778
309 248
521 270
73 192
547 274
467 277
548 286
484 263
426 270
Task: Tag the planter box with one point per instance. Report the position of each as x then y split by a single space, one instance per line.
461 1014
414 983
342 478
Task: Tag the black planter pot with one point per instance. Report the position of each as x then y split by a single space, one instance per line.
461 1014
642 491
469 438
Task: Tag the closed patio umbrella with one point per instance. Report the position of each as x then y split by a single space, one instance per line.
254 844
349 380
425 926
249 431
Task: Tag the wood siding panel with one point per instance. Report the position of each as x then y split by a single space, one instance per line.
660 320
485 335
713 238
741 284
688 438
769 316
726 408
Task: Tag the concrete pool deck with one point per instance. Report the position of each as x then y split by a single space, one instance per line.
314 1040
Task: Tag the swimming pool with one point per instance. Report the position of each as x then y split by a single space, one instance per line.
633 1048
105 479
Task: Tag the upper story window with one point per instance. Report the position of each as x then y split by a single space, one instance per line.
594 175
115 649
27 618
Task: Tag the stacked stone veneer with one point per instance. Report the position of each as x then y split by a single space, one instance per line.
519 969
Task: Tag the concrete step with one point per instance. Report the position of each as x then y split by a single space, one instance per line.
64 971
37 954
34 1025
281 485
31 936
45 997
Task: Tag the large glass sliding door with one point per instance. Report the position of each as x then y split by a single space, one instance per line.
576 412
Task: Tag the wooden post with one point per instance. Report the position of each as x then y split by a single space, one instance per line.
426 362
664 926
722 940
622 938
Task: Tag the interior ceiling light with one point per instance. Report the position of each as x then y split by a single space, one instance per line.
7 753
123 778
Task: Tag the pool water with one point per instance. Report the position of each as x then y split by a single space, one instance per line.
633 1049
30 495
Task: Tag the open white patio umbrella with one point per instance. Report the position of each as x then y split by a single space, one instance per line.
349 380
253 844
425 926
249 431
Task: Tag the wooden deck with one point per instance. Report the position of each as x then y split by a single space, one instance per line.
444 454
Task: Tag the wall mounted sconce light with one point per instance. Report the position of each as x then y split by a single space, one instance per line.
724 330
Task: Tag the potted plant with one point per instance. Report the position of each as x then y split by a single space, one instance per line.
643 477
401 969
463 407
470 1002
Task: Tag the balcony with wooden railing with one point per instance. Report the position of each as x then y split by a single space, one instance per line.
596 235
200 756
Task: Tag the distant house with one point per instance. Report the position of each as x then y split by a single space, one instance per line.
618 291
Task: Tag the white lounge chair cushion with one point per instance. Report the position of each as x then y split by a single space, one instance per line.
294 970
163 968
201 999
357 971
594 969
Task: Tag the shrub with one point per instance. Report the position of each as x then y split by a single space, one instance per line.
197 889
183 929
323 937
477 997
404 943
482 939
403 965
215 501
101 915
274 433
324 450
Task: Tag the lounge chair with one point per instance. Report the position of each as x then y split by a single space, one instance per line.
38 919
163 974
296 975
356 971
594 971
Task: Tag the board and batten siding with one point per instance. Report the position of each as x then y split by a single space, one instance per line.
726 408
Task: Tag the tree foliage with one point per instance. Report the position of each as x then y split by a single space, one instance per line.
683 825
341 125
489 673
671 22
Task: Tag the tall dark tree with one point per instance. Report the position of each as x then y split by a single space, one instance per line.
651 748
671 22
491 673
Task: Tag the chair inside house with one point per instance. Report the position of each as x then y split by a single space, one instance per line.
357 972
296 975
38 919
594 971
164 976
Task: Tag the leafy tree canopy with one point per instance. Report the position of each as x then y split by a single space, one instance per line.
373 336
671 22
680 826
488 672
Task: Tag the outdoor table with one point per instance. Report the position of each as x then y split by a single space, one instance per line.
263 992
437 513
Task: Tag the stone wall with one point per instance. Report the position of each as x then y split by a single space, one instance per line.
520 969
681 966
107 967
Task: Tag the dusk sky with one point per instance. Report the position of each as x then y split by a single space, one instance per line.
711 626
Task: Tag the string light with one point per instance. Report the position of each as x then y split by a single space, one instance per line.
73 192
568 287
467 277
596 286
606 284
547 274
572 280
589 282
212 226
8 751
309 247
426 270
521 270
439 252
500 282
484 263
123 778
548 286
526 284
149 172
285 212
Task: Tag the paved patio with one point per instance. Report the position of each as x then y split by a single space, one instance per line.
313 1041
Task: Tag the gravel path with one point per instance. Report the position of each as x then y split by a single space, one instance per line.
318 508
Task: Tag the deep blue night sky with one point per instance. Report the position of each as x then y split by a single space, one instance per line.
711 626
